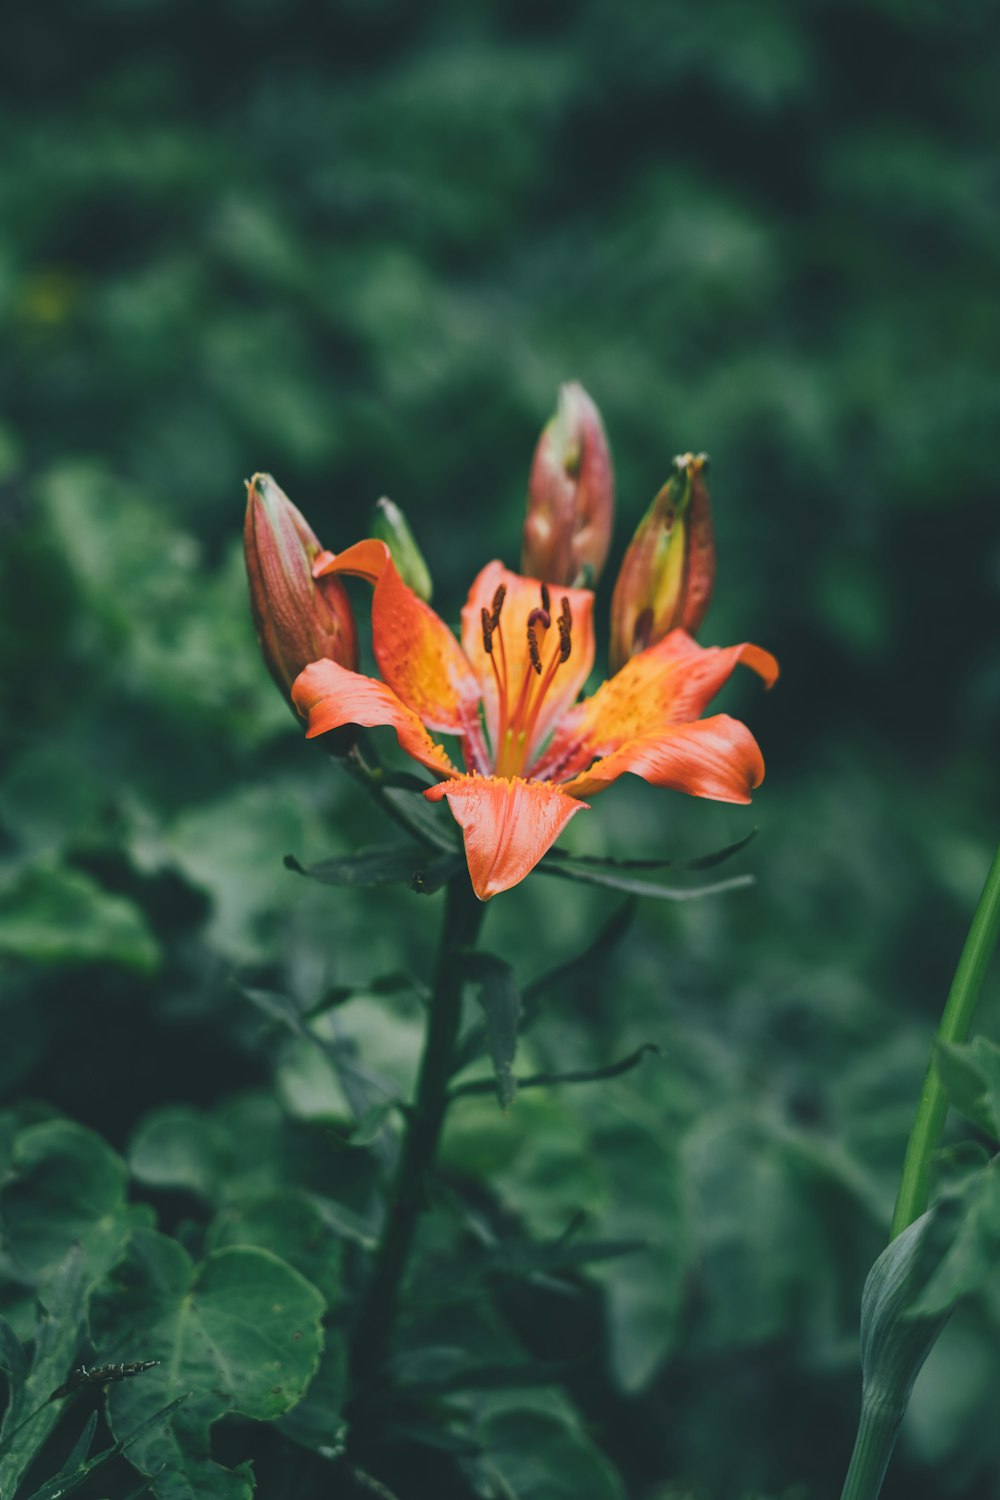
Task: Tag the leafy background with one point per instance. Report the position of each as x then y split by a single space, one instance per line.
359 245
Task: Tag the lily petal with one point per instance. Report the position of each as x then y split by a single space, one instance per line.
522 596
420 659
364 560
670 683
717 758
329 695
507 825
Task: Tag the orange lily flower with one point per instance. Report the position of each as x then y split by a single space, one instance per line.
509 693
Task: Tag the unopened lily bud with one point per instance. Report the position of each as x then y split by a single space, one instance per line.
298 618
667 573
571 496
389 525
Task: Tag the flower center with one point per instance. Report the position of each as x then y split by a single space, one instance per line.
519 703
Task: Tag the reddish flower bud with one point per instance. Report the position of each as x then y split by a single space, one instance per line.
298 619
667 573
571 496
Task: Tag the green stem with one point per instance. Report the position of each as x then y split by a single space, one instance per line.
877 1433
463 916
956 1022
879 1425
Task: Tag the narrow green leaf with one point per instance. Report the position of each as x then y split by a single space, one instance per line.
13 1360
370 1125
427 821
75 1470
56 1342
607 939
571 869
381 865
579 1075
70 1477
584 964
697 862
501 1002
277 1007
895 1341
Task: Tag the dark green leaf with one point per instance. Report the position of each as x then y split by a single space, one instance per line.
535 1456
241 1332
277 1007
290 1224
178 1148
74 1473
75 1470
66 1185
13 1360
579 1075
501 1002
607 939
316 1422
965 1236
55 915
428 822
370 1125
697 862
895 1337
582 964
58 1337
381 865
571 869
971 1074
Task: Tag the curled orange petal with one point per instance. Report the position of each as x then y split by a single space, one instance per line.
329 695
669 683
716 758
364 559
420 659
507 825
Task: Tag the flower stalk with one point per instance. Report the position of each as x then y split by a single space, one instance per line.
884 1404
463 915
956 1023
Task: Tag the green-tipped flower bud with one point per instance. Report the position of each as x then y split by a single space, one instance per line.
571 496
667 573
389 525
298 619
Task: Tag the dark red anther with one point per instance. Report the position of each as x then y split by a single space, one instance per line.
536 655
565 623
546 601
487 620
498 599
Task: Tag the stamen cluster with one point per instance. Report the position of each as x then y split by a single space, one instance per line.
517 715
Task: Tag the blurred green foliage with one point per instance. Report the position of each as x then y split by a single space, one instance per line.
359 245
